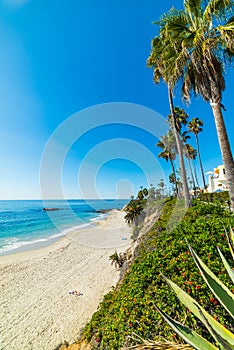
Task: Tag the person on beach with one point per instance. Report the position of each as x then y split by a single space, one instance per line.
74 292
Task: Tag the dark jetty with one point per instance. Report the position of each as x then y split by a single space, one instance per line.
50 209
103 211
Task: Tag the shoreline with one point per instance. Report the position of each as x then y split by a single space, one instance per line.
38 311
77 234
50 240
42 243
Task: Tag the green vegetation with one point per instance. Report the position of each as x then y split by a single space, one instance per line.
221 197
135 207
223 337
130 308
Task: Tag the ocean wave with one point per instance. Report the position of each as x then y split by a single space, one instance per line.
77 227
99 217
12 245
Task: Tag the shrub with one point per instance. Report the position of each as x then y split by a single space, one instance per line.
130 308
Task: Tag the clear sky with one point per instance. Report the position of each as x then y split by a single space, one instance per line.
60 57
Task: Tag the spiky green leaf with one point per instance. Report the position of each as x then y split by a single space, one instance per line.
196 309
188 334
223 344
230 239
227 266
221 292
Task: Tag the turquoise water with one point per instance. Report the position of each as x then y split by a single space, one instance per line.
24 225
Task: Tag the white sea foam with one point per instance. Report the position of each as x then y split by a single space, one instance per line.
14 245
73 228
100 217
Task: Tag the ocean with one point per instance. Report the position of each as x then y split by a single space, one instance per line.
24 225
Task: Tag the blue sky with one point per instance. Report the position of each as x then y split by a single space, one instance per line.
58 58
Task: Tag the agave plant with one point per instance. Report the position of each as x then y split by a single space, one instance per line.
223 337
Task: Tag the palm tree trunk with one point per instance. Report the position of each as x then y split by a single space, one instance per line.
174 173
225 149
180 152
200 162
191 172
195 174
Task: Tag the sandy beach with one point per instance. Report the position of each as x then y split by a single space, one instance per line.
37 311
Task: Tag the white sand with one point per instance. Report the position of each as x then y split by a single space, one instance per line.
37 311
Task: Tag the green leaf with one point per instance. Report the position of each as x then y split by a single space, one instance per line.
187 334
196 309
222 342
222 293
227 266
230 239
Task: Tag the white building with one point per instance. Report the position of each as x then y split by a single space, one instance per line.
217 180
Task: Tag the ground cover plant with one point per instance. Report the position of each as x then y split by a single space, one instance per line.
130 308
222 197
224 339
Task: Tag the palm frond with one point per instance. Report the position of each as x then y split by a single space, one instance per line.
178 26
167 16
226 37
195 126
188 82
217 9
164 155
194 8
192 5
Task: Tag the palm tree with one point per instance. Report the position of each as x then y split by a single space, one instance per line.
190 154
185 137
202 34
133 209
173 180
151 192
168 146
162 59
162 185
195 126
181 119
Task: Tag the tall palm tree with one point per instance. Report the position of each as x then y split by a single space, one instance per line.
195 126
162 59
181 119
168 153
190 154
168 146
161 184
185 137
202 34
